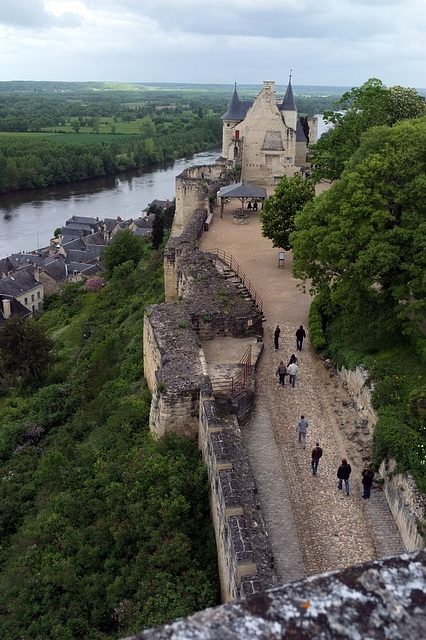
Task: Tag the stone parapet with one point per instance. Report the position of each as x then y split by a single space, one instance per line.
381 599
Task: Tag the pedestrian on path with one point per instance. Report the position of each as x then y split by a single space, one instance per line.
292 370
292 359
277 337
282 372
300 335
367 481
343 473
302 428
315 458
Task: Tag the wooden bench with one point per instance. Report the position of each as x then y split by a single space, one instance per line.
208 222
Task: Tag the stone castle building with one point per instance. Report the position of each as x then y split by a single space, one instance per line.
265 137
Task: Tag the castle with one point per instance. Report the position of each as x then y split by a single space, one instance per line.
265 137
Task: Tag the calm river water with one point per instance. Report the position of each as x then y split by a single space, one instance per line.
28 219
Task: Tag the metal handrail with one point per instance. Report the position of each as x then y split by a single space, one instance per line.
229 259
237 383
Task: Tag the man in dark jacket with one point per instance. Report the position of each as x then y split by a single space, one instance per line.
300 335
315 458
367 481
343 473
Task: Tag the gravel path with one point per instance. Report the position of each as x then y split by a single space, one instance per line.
333 530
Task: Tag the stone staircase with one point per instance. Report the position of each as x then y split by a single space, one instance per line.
230 270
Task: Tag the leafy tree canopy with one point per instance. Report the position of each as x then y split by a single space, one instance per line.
363 107
24 349
277 217
364 239
125 247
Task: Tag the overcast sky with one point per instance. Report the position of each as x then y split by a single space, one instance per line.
324 42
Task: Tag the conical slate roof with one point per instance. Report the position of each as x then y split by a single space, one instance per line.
235 108
288 102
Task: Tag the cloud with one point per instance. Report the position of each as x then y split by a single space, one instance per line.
340 42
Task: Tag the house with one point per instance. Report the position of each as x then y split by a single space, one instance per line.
10 308
142 226
264 136
161 204
25 286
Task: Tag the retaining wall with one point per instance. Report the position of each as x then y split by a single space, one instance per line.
407 505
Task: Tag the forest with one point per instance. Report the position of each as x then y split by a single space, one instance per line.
104 530
53 133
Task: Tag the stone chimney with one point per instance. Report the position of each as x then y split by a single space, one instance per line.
7 312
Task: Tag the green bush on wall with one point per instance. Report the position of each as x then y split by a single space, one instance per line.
315 326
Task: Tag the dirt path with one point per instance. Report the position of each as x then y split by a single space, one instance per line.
334 530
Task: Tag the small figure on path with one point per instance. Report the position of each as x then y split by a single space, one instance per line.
315 458
255 206
249 205
367 481
292 359
300 335
292 370
343 473
276 337
302 428
282 372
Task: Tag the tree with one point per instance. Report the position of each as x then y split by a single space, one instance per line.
362 241
277 217
24 349
157 225
75 124
363 107
124 247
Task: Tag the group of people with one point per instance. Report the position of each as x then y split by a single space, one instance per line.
251 206
291 368
300 336
343 472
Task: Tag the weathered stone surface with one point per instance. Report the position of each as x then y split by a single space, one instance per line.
377 600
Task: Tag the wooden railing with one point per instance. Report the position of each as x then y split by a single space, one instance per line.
228 259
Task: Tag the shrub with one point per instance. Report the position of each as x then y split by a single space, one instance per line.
318 340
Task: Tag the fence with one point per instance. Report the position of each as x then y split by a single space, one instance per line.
229 260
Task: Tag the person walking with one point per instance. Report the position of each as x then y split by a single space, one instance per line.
343 473
302 428
277 337
282 372
367 481
292 359
315 458
292 370
300 335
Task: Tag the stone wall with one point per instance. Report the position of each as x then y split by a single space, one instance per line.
203 304
407 505
377 600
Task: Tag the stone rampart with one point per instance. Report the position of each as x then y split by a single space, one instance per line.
381 599
203 304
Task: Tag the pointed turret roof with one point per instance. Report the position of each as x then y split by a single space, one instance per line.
234 108
288 102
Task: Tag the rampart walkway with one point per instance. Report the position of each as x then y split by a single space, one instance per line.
313 527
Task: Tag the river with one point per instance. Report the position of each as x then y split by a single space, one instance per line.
28 219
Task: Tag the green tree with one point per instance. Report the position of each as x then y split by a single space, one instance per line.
279 210
24 349
363 240
363 107
75 124
125 247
